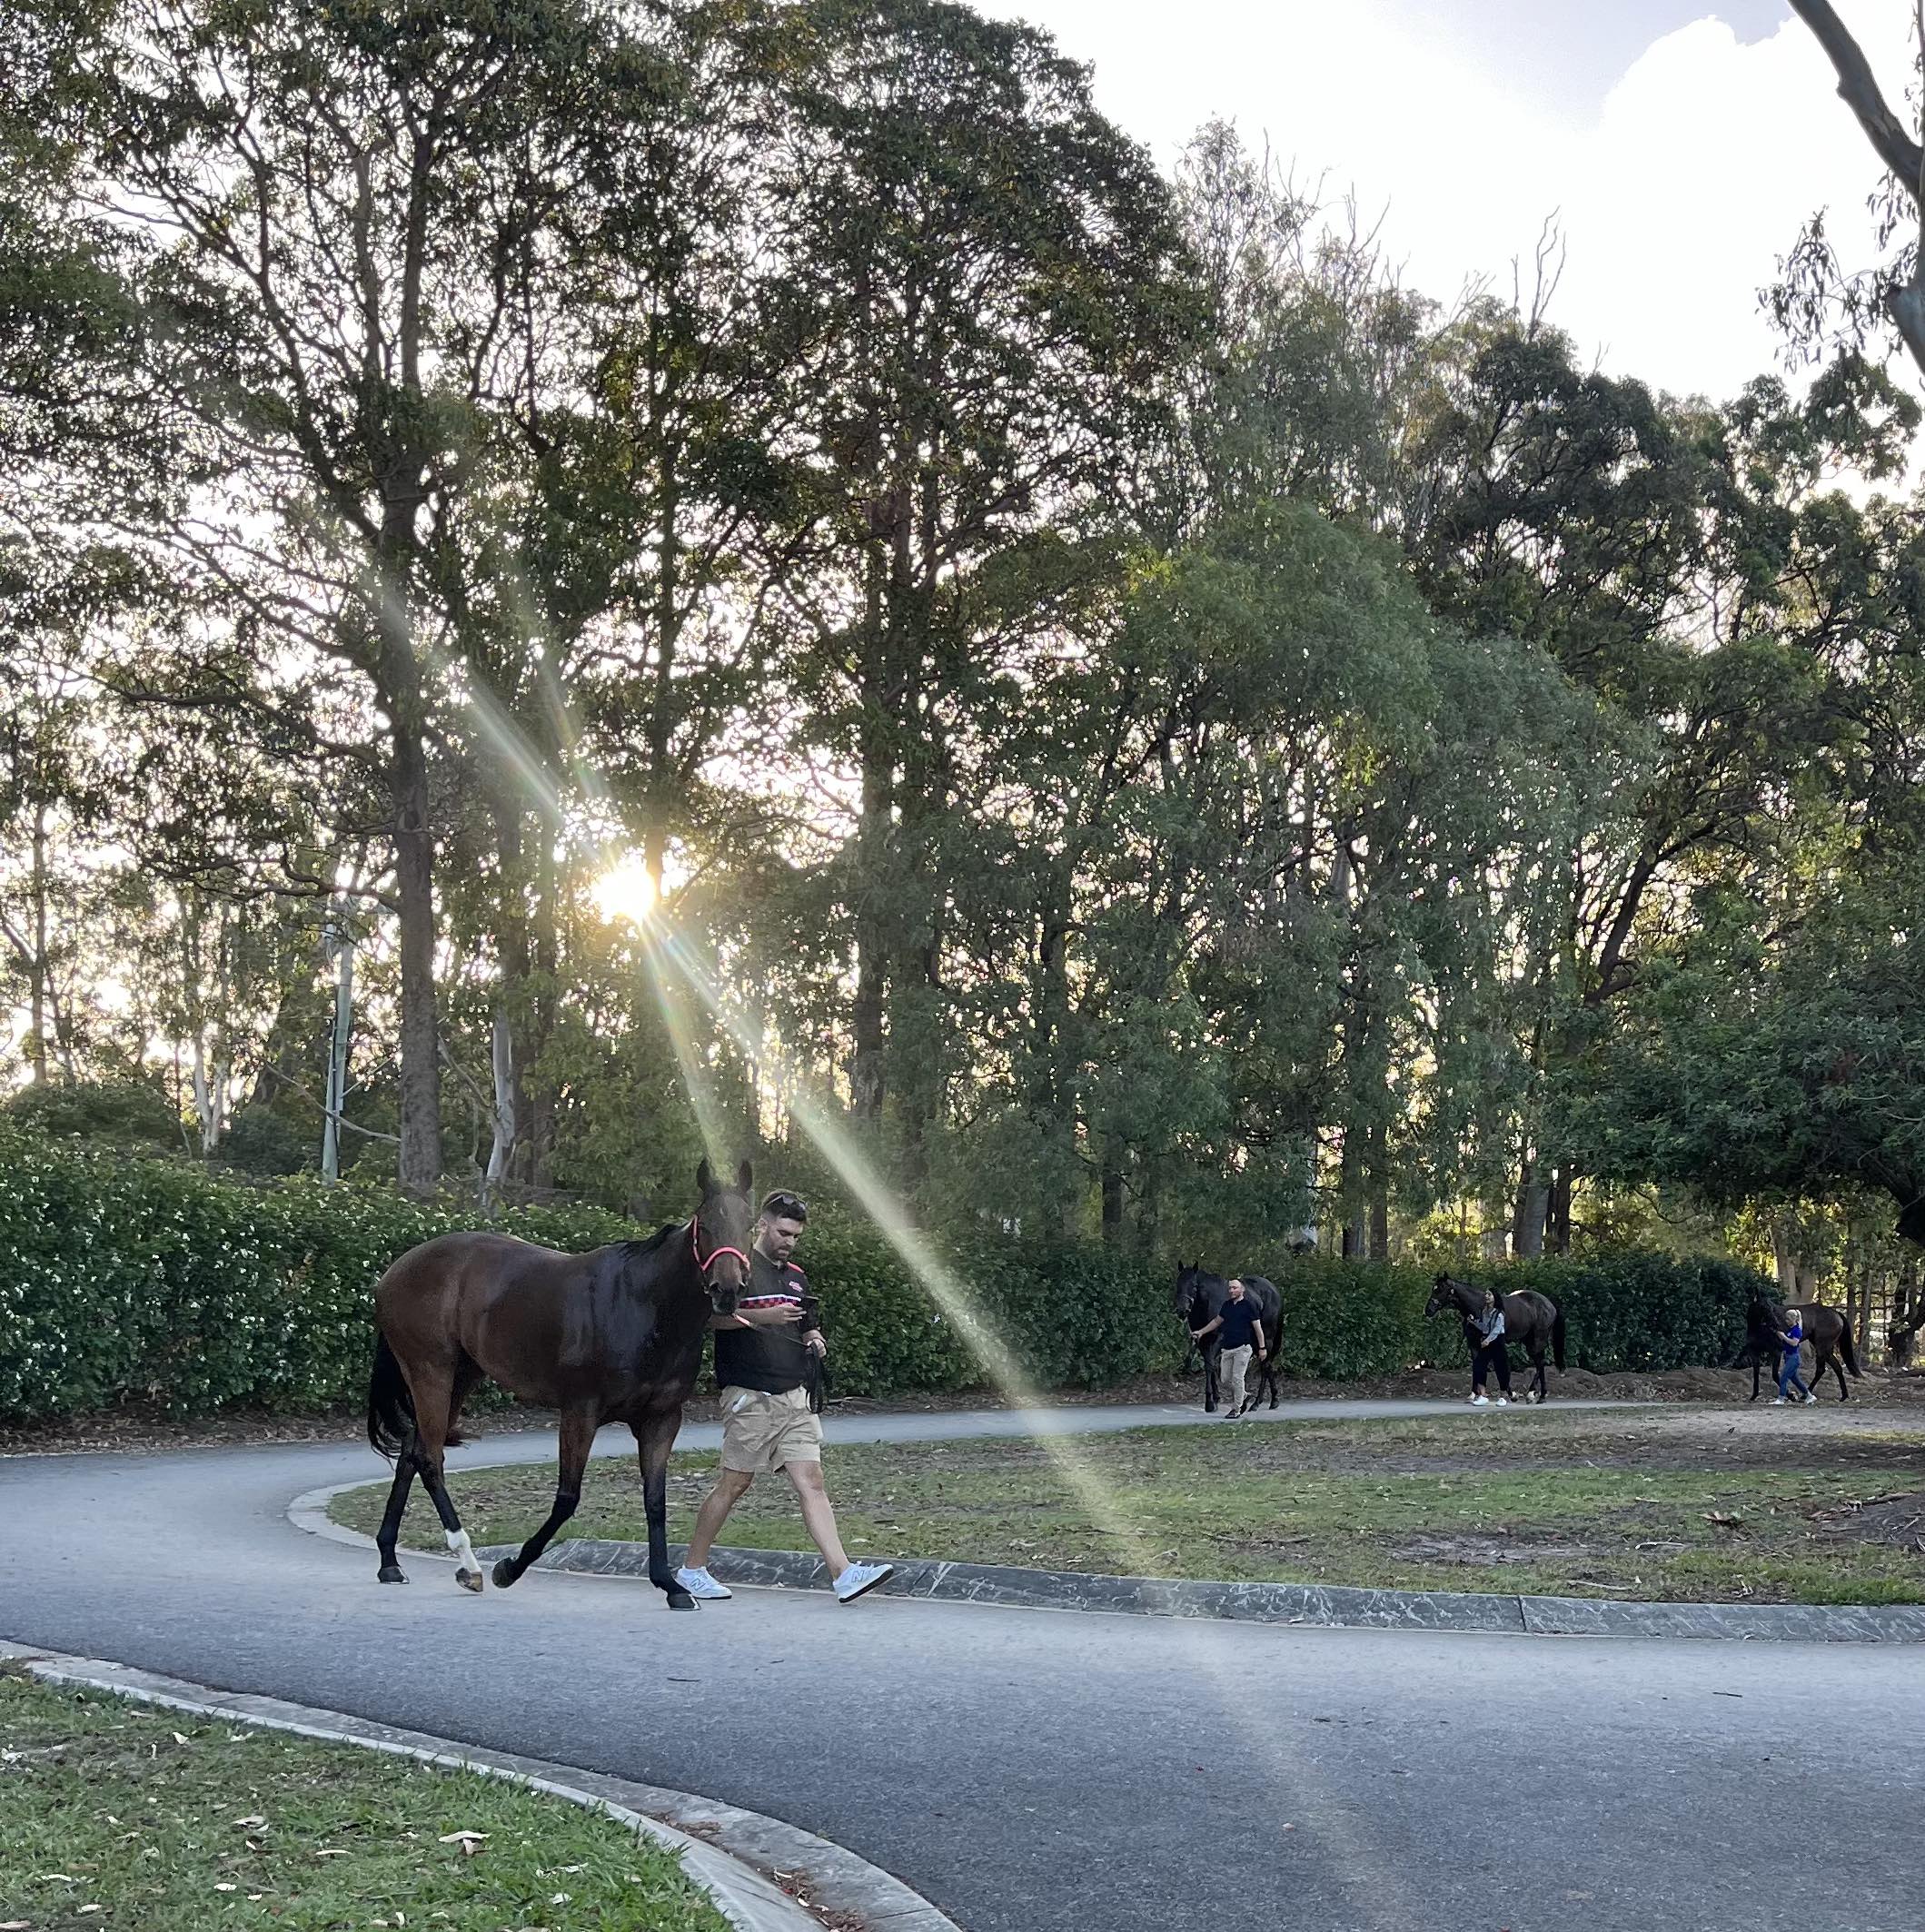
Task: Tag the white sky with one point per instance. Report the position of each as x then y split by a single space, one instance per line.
1684 144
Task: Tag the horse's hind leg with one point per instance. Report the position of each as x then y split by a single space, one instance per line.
384 1538
1838 1369
433 1403
578 1432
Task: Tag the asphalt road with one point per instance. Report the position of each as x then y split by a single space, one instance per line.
1039 1771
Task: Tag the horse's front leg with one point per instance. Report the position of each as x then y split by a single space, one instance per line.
578 1434
1212 1387
654 1438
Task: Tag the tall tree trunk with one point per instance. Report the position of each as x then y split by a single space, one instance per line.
421 1074
1561 1209
1379 1194
338 1043
868 1021
1112 1201
1527 1223
37 964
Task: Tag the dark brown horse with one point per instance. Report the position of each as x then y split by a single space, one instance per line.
1199 1299
614 1335
1826 1329
1531 1321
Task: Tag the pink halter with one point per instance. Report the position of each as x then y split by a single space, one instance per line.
715 1254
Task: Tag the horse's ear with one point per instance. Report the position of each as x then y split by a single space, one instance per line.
745 1176
705 1178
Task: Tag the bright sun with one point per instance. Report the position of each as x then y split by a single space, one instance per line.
626 891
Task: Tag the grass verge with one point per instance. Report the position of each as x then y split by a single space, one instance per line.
113 1813
1659 1505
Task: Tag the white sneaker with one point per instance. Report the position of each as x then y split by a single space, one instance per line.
1503 1401
860 1577
699 1584
1777 1402
1811 1398
1479 1402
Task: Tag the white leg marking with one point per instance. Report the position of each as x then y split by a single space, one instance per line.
463 1550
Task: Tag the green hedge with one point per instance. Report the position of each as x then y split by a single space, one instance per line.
123 1276
128 1277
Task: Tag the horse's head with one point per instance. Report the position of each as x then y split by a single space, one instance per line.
1444 1293
1189 1285
722 1228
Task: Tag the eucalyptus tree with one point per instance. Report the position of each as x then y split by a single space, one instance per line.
342 208
998 288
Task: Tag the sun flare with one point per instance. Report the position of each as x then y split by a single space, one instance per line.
626 891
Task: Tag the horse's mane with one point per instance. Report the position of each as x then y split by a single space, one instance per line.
635 1250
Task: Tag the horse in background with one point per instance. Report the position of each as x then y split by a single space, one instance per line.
1826 1329
1199 1298
1531 1321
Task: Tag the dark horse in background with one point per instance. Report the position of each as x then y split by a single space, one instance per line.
1200 1296
1826 1329
614 1335
1531 1321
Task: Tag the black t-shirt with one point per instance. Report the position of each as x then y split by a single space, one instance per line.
1239 1323
773 1358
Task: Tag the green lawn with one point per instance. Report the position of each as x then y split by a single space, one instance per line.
117 1814
1640 1503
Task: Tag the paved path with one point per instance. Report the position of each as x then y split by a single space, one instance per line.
1037 1771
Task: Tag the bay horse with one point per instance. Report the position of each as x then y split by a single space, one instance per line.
613 1335
1199 1298
1826 1329
1530 1320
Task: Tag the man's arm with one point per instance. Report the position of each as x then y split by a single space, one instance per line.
1257 1332
772 1317
1208 1328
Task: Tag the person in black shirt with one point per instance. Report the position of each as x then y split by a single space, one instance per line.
1242 1334
763 1368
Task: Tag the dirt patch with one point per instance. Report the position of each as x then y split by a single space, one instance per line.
1896 1521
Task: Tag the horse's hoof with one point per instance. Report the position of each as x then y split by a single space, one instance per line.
391 1573
469 1579
680 1600
1209 1408
503 1573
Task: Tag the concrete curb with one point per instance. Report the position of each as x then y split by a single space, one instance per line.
1295 1603
728 1851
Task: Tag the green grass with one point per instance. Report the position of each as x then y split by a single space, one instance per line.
116 1814
1624 1505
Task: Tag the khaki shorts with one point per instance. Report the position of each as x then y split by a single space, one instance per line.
764 1432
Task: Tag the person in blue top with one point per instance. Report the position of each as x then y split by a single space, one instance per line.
1790 1339
1243 1335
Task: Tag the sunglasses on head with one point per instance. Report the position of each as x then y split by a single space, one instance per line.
785 1207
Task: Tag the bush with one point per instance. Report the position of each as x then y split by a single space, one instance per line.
156 1280
259 1141
116 1112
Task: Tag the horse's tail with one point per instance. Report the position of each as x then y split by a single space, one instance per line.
1847 1347
390 1406
1557 1335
